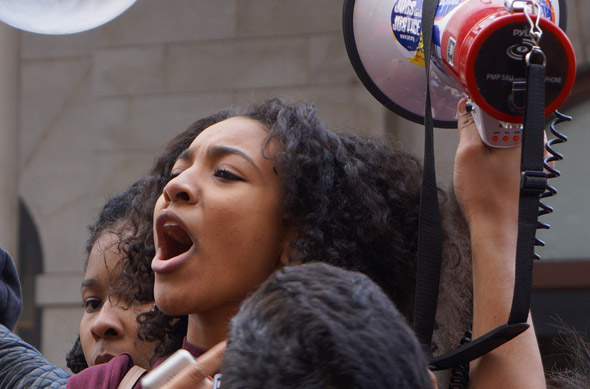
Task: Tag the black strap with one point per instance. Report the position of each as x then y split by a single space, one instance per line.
429 251
430 238
533 184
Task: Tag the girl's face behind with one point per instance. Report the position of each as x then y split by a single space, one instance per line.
108 326
218 225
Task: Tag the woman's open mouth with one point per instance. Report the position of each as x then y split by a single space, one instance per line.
173 241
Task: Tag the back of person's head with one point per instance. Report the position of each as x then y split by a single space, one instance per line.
319 326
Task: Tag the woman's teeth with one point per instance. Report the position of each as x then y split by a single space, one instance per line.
177 233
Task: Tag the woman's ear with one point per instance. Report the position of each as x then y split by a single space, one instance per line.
288 254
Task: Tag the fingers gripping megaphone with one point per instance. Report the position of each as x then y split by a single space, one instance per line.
479 51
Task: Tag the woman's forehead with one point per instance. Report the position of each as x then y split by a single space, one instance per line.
235 131
105 254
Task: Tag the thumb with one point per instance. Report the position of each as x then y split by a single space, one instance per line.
196 374
465 123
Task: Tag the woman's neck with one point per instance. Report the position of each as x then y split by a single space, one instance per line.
207 329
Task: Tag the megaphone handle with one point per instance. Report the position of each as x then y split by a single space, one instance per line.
493 133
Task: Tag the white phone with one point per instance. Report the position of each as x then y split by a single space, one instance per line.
167 370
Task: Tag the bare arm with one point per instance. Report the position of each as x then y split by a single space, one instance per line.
486 184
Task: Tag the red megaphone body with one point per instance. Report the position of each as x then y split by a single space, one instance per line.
483 46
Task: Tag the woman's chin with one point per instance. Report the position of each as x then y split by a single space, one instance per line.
169 305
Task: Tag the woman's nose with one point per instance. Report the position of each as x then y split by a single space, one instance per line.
107 323
180 189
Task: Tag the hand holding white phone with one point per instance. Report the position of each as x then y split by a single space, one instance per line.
177 370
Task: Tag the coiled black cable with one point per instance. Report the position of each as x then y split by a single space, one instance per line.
552 172
460 374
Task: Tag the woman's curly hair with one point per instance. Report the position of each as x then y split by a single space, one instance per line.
75 360
118 217
354 203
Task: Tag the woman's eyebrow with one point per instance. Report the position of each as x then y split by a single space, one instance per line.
219 151
88 282
185 155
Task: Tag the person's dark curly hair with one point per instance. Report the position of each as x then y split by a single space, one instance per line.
118 216
75 360
129 215
354 204
328 328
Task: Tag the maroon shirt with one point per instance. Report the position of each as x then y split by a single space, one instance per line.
109 375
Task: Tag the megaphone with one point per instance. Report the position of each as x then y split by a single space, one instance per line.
479 50
60 16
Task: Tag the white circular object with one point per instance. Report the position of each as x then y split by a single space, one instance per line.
60 16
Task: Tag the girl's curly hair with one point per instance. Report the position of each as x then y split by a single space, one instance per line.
354 203
75 360
118 216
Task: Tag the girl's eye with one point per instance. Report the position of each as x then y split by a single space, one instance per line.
227 175
91 305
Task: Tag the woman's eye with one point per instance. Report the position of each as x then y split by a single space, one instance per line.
91 305
227 175
174 174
